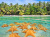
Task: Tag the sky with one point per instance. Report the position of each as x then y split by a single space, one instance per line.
21 1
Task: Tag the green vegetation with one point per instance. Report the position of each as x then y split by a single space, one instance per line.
40 8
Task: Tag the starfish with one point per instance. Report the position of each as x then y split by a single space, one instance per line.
22 24
29 32
15 22
33 24
28 23
12 29
11 24
34 28
18 23
25 22
14 35
19 26
40 25
23 27
5 25
42 28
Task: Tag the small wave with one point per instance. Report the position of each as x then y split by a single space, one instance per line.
38 19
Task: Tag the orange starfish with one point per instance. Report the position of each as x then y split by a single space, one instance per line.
23 27
11 24
22 24
28 23
12 29
19 26
40 25
15 22
18 23
42 28
34 28
25 22
5 25
33 24
14 35
29 32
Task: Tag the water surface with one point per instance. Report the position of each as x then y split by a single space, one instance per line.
44 20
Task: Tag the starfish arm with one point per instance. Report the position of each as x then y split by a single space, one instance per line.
16 30
26 35
45 30
9 30
37 29
34 32
19 26
2 26
12 30
24 31
33 35
26 28
31 28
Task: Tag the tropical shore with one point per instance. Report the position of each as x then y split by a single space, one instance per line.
26 15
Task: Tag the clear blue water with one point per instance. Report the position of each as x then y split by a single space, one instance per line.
44 20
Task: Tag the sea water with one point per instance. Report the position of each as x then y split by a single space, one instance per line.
44 20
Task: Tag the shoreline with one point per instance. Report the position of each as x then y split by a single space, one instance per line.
27 15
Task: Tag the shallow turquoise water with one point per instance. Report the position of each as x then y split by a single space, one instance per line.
44 20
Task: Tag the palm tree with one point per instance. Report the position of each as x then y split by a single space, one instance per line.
11 4
44 5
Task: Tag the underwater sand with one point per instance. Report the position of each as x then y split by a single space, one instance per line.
45 21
